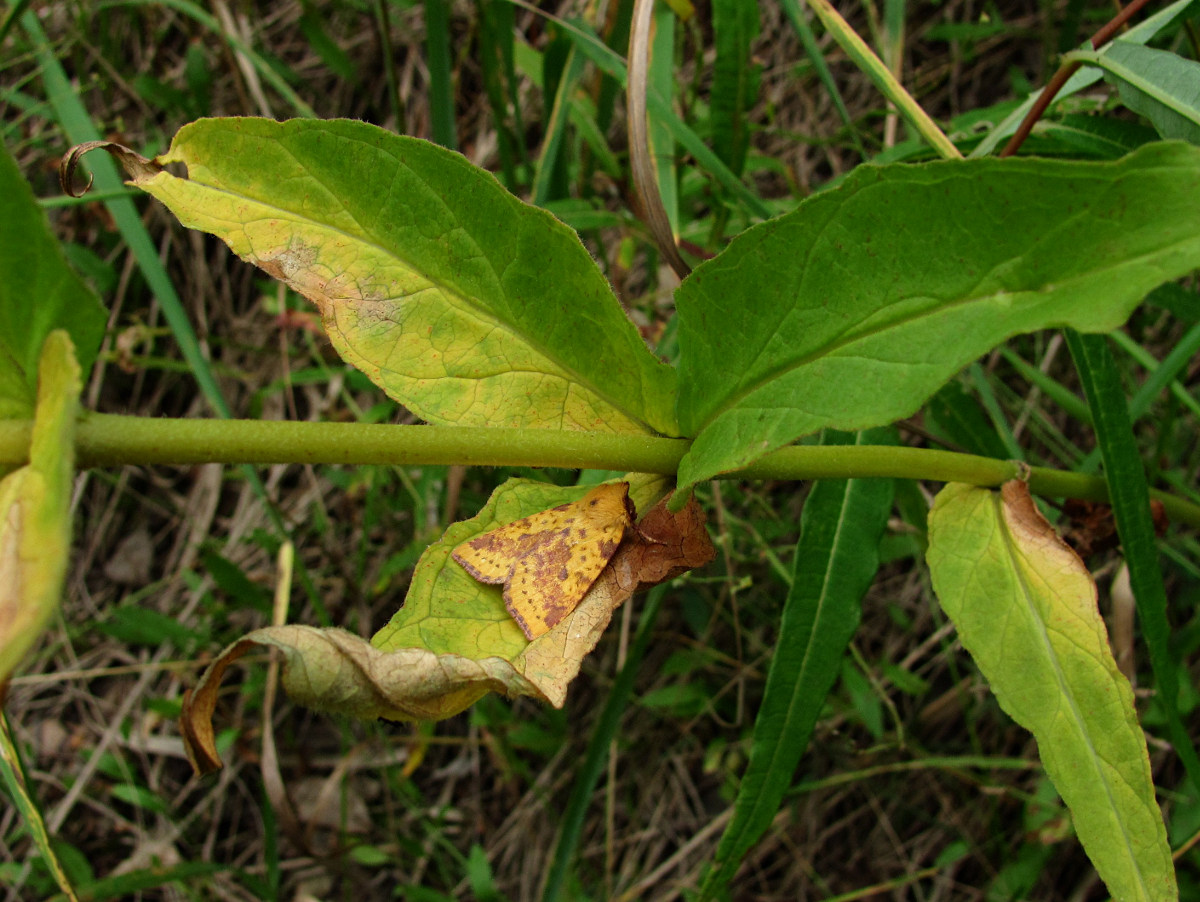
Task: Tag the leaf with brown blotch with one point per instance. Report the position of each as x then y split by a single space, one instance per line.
335 671
547 562
663 546
332 670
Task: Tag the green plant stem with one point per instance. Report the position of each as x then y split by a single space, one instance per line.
109 440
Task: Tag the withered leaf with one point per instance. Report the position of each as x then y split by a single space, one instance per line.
335 671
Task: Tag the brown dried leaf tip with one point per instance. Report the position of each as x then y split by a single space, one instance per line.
136 166
548 561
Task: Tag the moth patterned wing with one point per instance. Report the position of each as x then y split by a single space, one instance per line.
490 558
551 577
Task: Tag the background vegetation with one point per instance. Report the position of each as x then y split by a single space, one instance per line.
916 785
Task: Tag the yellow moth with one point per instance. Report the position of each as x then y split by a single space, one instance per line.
548 561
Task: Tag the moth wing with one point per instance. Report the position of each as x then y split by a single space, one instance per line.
549 581
490 558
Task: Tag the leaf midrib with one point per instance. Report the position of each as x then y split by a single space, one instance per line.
850 336
1064 691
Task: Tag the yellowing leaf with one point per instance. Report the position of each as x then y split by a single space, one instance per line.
464 304
35 507
1025 608
663 546
547 562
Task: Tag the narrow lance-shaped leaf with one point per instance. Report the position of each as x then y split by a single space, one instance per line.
1163 87
735 79
851 311
836 559
460 301
1025 608
1130 494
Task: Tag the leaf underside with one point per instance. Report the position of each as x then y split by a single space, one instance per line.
851 311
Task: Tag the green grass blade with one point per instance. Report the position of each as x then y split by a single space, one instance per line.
496 63
11 16
836 558
735 79
441 87
597 751
1049 386
1161 374
1131 506
383 27
79 128
995 411
809 41
547 166
873 67
616 35
13 773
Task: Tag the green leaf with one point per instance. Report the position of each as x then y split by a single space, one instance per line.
735 79
35 508
461 302
851 311
1163 87
39 292
836 559
1025 608
1140 33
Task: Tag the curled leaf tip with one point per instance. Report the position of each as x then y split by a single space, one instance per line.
136 166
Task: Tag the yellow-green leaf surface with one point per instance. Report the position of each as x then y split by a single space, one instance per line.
1025 608
35 502
463 303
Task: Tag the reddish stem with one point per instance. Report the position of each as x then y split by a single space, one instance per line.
1099 39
